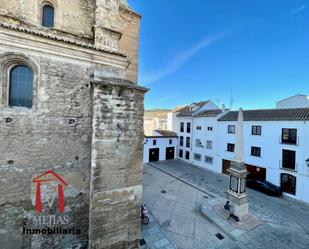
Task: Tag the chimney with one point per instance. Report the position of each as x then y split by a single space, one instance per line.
223 108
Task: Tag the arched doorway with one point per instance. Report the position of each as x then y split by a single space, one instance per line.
288 183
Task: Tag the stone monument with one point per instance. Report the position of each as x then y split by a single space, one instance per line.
236 192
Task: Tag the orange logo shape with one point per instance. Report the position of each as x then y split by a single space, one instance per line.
47 178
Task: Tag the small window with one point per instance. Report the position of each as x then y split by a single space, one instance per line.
209 128
209 144
209 159
231 129
187 155
255 151
181 140
256 130
198 143
154 142
48 16
187 142
182 127
181 153
199 128
197 157
21 86
230 147
170 141
188 127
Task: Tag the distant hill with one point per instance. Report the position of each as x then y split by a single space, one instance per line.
156 113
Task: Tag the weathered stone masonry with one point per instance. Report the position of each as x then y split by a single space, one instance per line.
85 123
116 172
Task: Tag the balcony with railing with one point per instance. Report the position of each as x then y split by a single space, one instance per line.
289 140
288 166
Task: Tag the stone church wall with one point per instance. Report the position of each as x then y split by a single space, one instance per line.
85 124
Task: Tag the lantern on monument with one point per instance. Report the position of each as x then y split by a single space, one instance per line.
236 192
238 175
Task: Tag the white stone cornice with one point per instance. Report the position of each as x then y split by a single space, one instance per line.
28 43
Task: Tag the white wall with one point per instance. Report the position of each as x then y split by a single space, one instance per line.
162 144
171 121
209 106
298 101
185 120
205 135
160 123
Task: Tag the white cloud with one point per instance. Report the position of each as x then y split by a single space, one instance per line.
180 59
296 11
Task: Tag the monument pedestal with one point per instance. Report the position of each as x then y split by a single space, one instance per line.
236 193
240 206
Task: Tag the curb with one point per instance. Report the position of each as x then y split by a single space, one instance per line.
203 211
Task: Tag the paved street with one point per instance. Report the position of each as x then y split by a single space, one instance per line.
278 222
155 236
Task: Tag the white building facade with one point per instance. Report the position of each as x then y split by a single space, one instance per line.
276 143
162 145
297 101
276 147
197 133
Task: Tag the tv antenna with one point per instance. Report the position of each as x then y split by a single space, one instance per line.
231 99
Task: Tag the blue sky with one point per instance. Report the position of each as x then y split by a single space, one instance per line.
258 50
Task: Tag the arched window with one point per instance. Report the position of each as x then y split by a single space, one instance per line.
21 86
48 16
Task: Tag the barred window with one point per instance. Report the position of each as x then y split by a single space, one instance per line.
198 143
187 155
21 86
188 142
182 125
180 153
231 129
256 130
209 144
197 157
230 147
181 141
255 151
188 127
208 159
